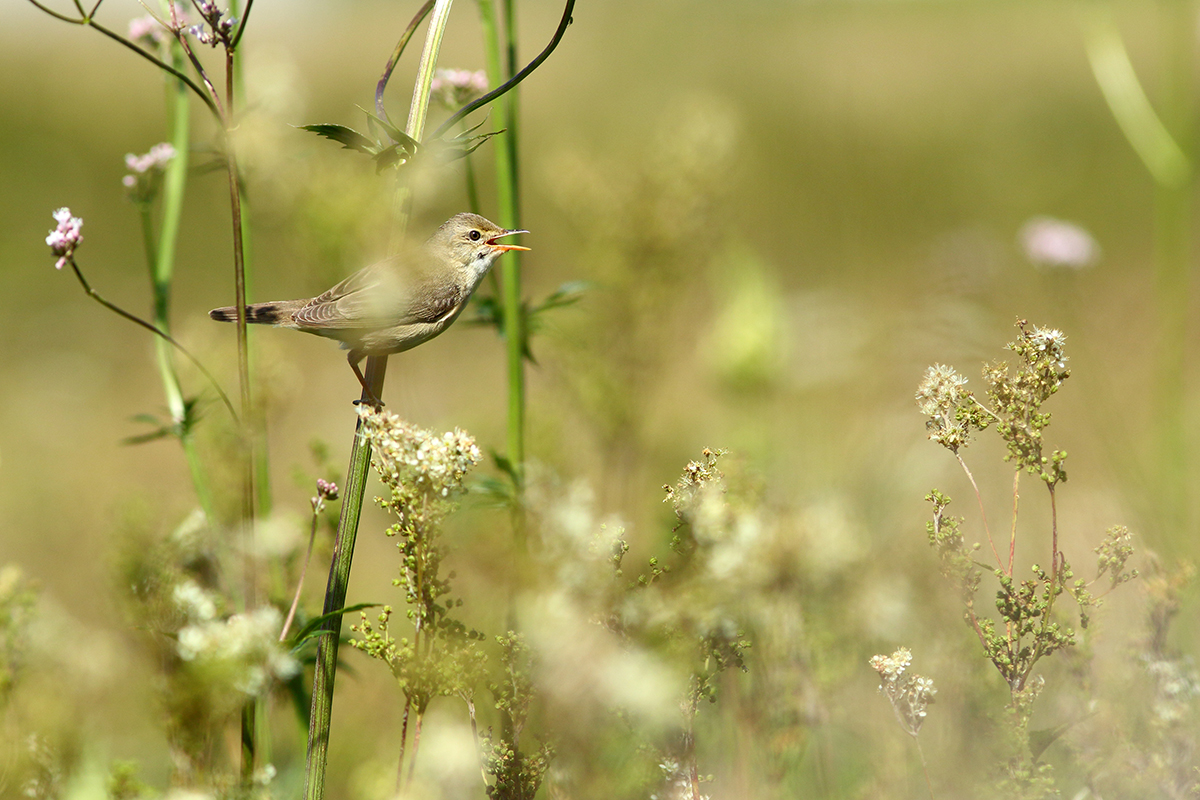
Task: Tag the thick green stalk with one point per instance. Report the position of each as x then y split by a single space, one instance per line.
262 461
500 64
419 109
162 260
325 668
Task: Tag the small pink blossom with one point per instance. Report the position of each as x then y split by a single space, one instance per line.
1053 243
454 87
157 158
66 237
149 30
145 171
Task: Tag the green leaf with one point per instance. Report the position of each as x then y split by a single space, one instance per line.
309 631
506 466
161 433
567 294
1039 740
349 138
389 156
497 491
393 133
488 311
453 152
164 427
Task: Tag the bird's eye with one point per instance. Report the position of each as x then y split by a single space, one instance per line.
475 236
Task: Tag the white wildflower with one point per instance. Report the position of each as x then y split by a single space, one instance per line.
420 460
197 603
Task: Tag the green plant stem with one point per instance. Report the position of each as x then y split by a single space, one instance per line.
162 260
258 421
498 69
92 293
982 513
423 12
924 767
515 79
250 729
325 669
419 109
312 538
1173 208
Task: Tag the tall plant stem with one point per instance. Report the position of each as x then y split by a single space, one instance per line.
325 669
161 256
312 538
500 60
983 514
113 307
249 728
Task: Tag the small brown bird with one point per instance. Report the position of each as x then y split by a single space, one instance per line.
398 303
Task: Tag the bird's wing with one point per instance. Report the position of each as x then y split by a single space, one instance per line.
382 295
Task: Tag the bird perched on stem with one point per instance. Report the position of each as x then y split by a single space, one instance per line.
398 303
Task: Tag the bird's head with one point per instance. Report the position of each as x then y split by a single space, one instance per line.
469 240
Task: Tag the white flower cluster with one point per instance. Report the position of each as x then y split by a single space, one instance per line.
244 647
416 458
197 603
910 698
891 668
1050 342
939 397
696 484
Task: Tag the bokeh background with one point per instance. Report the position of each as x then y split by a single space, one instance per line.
784 211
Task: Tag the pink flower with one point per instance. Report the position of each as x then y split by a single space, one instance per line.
454 87
1053 243
148 30
157 158
66 237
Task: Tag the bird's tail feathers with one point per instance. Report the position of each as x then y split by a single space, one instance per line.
274 313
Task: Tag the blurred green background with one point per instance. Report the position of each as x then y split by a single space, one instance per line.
785 211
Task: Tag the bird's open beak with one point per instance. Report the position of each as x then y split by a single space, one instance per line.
504 247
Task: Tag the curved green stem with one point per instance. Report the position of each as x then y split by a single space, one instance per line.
92 293
563 24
